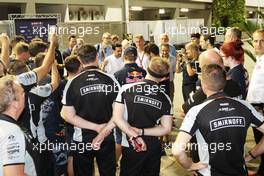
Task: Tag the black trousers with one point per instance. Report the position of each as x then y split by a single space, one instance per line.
83 161
187 89
141 163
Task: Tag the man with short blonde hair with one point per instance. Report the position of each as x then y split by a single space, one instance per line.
142 58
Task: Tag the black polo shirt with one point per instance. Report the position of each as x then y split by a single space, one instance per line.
91 93
220 125
231 89
145 103
131 73
240 75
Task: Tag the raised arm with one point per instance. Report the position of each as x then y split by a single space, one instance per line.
44 69
55 77
4 39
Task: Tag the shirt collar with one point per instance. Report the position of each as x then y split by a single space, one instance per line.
217 95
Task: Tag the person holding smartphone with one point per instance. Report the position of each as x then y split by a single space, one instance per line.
185 64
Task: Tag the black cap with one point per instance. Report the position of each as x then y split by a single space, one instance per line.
131 51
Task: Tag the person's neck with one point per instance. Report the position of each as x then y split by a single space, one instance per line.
117 57
70 76
12 114
90 64
233 63
141 49
129 62
209 93
210 47
104 45
151 78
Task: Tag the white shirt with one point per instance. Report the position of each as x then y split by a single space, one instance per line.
142 60
256 85
13 148
114 64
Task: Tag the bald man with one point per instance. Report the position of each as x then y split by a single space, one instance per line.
231 88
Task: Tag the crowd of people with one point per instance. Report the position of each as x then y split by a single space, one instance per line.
59 111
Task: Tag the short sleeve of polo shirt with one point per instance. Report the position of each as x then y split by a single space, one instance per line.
189 124
27 80
120 97
42 91
13 148
67 99
257 119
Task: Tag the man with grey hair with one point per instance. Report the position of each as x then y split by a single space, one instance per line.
142 58
164 39
15 159
233 34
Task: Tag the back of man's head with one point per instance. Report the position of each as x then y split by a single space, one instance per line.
72 64
37 47
17 67
87 54
130 54
213 78
21 47
233 34
158 67
210 57
39 59
7 92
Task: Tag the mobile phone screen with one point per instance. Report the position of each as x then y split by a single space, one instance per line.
197 67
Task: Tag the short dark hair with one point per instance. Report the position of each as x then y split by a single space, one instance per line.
214 76
87 53
153 48
17 67
71 36
39 59
37 47
116 45
72 64
17 39
196 35
210 38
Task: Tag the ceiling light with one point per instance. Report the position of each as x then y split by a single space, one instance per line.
250 12
136 8
184 10
161 11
